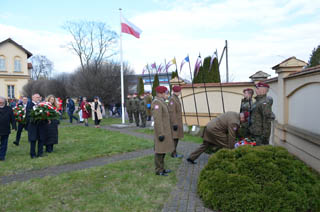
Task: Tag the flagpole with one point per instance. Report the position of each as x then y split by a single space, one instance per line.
205 90
194 96
149 78
121 62
165 66
184 112
220 78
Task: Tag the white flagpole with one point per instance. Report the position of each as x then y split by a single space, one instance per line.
122 83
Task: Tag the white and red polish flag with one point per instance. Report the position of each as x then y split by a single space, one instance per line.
130 28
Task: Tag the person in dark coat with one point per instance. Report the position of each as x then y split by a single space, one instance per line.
21 126
51 127
6 118
33 129
70 109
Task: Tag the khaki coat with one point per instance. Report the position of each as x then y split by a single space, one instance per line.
222 130
162 127
176 116
99 112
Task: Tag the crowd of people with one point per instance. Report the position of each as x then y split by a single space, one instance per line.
253 121
42 133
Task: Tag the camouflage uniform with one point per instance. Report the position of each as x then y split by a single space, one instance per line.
245 107
129 107
142 112
261 117
148 99
135 110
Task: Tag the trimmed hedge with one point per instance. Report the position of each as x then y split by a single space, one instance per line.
264 178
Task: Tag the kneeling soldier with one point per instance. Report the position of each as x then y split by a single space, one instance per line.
163 142
220 133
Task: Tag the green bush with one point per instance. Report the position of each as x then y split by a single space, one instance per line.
262 178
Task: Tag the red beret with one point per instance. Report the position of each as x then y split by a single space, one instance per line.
161 89
176 88
248 89
262 84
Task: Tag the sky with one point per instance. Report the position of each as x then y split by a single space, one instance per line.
260 33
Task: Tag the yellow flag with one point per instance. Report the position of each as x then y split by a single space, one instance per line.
174 61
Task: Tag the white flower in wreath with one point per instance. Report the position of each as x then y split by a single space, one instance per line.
40 111
34 107
24 116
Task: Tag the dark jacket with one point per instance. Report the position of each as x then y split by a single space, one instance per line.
70 106
52 132
33 128
6 118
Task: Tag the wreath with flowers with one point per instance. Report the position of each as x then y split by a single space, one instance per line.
43 112
245 141
19 114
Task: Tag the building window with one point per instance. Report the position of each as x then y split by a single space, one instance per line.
17 65
11 91
2 63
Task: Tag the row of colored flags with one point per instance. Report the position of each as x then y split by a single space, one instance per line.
164 68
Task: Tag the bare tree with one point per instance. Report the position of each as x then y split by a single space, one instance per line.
93 42
41 67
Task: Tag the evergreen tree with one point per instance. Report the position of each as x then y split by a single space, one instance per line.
140 86
315 57
174 74
206 72
215 72
155 84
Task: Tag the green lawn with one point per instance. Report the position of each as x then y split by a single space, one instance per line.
104 121
187 136
122 186
76 143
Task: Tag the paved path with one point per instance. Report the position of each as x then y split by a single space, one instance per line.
183 197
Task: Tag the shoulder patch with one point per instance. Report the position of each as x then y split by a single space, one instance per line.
156 107
171 103
235 128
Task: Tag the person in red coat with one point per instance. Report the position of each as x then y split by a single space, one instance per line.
85 107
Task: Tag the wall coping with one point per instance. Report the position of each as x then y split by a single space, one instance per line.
315 69
301 133
229 84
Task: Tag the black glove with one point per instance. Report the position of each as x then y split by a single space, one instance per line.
161 138
175 127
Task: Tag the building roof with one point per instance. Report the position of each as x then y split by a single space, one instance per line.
29 54
260 74
290 62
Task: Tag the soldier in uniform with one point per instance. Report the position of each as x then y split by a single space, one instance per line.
220 133
261 115
176 119
163 142
135 109
245 107
142 110
129 107
148 99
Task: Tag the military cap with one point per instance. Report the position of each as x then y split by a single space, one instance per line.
262 84
176 88
248 89
161 89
